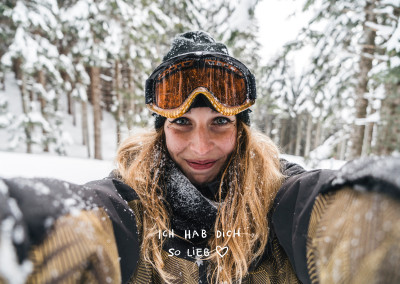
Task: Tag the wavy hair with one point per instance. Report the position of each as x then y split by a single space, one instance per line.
250 181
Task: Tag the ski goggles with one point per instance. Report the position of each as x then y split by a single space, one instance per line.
226 82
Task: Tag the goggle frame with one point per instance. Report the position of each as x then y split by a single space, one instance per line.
222 108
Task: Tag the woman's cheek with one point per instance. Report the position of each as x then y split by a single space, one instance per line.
175 146
230 141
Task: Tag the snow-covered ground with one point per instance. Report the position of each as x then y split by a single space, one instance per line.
74 170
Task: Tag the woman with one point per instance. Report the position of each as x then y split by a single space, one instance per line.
199 157
205 199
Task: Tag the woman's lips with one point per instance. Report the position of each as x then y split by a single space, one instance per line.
201 165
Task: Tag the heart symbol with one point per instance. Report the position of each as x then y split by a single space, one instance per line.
222 250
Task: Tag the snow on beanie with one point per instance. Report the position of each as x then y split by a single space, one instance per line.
195 41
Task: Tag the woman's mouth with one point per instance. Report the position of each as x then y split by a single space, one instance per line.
201 165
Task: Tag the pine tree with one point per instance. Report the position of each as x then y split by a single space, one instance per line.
34 59
89 22
5 116
7 33
365 66
346 49
386 76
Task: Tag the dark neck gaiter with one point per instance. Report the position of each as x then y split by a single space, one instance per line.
191 210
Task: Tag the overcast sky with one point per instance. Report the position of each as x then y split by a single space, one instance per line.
276 25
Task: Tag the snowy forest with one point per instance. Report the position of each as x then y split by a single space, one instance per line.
77 58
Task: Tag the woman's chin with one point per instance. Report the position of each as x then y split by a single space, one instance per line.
201 179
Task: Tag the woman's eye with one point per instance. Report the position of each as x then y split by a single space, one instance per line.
221 121
181 121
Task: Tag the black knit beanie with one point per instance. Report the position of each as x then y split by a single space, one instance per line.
195 41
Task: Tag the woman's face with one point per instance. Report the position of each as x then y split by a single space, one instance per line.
200 142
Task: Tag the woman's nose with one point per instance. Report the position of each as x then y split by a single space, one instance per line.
201 141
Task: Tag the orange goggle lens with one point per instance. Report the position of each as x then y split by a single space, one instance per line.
225 82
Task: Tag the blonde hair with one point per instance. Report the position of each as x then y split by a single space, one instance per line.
251 180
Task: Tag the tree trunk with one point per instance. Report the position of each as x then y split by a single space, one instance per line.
370 137
283 128
291 136
342 152
118 87
42 100
268 125
365 146
367 143
24 93
277 127
389 128
96 100
2 74
2 80
16 67
73 111
131 104
64 76
28 127
318 134
298 135
85 129
19 75
365 66
70 102
73 104
307 147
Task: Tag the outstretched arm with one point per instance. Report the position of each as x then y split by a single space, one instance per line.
354 237
57 231
340 226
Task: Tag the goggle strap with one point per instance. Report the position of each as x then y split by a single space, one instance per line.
253 87
149 90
